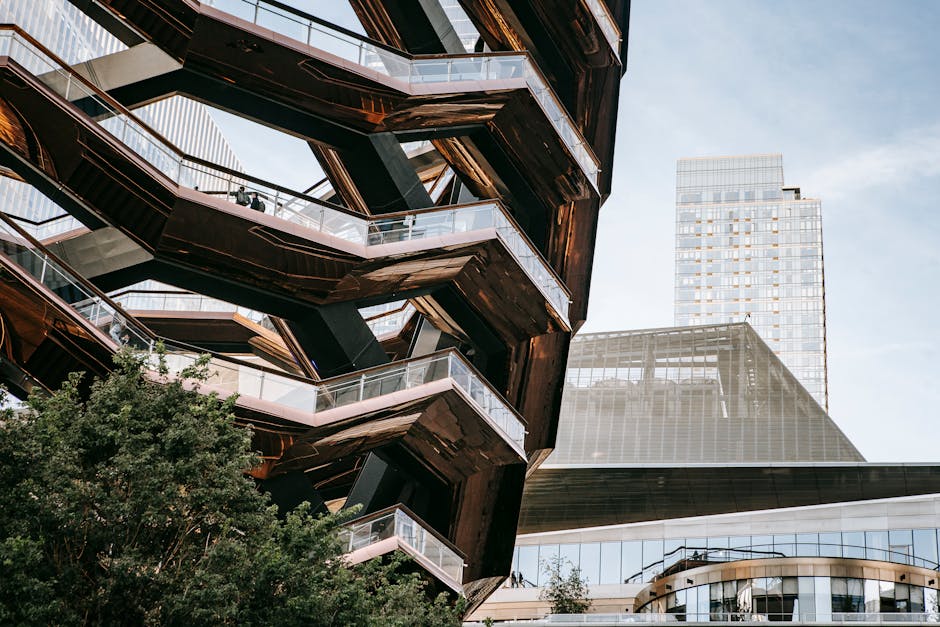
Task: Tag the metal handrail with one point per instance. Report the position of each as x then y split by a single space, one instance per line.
736 618
397 521
294 207
383 57
723 555
399 506
605 21
130 300
283 388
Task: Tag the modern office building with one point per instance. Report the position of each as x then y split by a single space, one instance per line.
397 333
750 248
694 476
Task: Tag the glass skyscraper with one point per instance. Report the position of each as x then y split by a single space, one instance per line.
750 249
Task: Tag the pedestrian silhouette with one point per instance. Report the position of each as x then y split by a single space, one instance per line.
241 196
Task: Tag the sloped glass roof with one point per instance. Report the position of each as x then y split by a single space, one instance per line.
684 395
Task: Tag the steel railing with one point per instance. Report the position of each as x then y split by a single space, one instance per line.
138 298
297 208
350 46
397 523
744 617
235 377
605 20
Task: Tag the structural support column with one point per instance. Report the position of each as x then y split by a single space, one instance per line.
418 26
372 174
337 340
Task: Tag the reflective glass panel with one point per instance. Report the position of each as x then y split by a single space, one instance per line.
925 547
785 544
547 554
632 553
876 545
529 565
823 598
591 562
806 601
830 544
652 558
901 546
610 562
932 603
570 557
872 596
673 551
807 544
853 544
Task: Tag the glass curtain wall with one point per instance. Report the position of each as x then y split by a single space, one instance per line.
639 561
820 599
749 249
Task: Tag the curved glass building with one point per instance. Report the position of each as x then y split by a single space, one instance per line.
696 479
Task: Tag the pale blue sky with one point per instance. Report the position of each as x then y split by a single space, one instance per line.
849 92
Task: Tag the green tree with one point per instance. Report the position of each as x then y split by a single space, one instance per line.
130 505
567 593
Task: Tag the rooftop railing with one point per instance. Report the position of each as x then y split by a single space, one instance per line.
294 207
684 558
237 377
736 618
350 46
397 522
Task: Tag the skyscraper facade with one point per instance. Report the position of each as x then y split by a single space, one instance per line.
750 249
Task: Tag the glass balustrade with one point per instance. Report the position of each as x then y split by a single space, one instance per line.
799 617
142 300
50 227
605 20
96 310
240 378
420 70
464 219
296 208
398 376
398 524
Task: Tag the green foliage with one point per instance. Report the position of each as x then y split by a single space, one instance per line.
129 505
567 594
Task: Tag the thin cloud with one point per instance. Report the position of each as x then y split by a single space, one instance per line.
912 155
